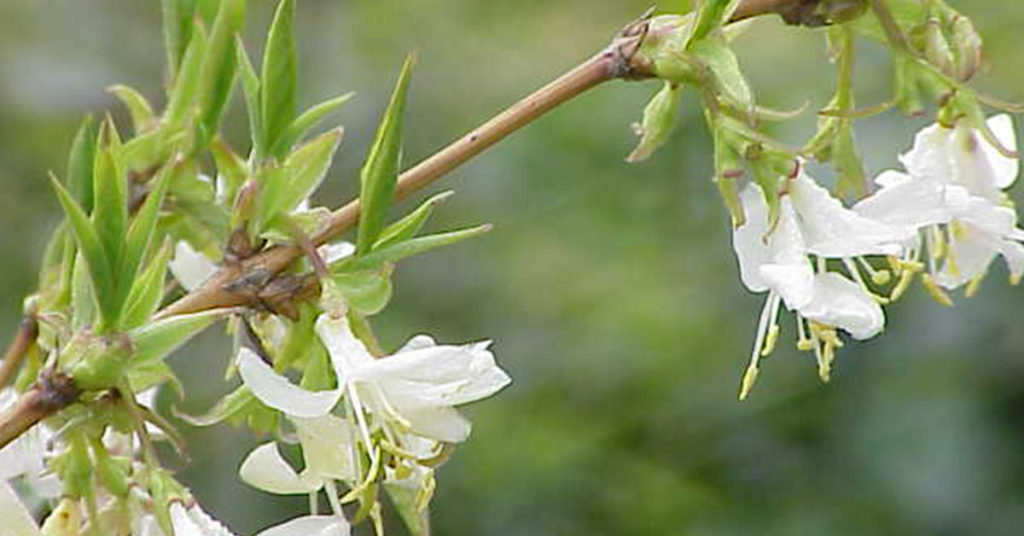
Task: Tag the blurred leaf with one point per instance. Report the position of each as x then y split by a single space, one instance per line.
406 503
710 16
177 22
227 408
306 121
660 118
231 171
92 251
182 98
138 107
380 172
151 374
408 226
251 89
218 71
83 297
285 228
110 213
718 56
279 76
148 290
306 168
81 161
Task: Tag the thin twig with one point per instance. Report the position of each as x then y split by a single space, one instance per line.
47 396
19 347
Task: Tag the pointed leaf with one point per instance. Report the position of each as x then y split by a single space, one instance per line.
367 291
182 99
306 167
415 246
139 108
306 121
719 57
80 163
227 408
251 88
83 297
660 117
408 226
141 230
157 340
380 172
147 291
110 210
177 22
92 251
279 75
231 171
218 71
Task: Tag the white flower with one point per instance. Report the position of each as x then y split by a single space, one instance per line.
17 521
953 191
327 448
190 267
415 388
186 521
310 526
811 223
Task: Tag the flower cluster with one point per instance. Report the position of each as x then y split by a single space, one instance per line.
946 216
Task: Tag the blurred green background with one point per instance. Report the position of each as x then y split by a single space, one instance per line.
610 289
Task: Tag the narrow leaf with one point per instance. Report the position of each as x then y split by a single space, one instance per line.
380 172
80 163
148 290
408 226
231 171
306 121
279 75
182 99
157 340
227 407
306 168
415 246
251 89
110 189
91 249
220 64
139 108
141 231
177 22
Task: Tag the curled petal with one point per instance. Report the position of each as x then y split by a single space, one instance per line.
1004 169
914 203
276 391
842 303
195 522
832 230
265 469
348 354
442 423
748 239
17 521
310 526
930 156
327 447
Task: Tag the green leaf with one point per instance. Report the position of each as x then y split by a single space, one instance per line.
366 291
92 251
415 246
182 99
407 502
251 89
712 15
139 108
306 168
408 226
177 22
148 290
279 75
83 297
380 172
219 66
231 170
151 374
141 232
285 228
729 80
110 210
81 161
660 118
157 340
306 121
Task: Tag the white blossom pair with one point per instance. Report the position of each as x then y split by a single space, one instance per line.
952 191
407 398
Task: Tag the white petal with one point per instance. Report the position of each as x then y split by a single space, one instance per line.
208 525
832 230
310 526
890 178
442 423
16 520
748 240
190 267
789 272
265 469
348 354
842 303
1004 170
913 203
327 447
278 392
336 251
419 342
440 375
973 251
23 456
973 167
930 158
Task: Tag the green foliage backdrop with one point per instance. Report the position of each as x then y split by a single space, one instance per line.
611 289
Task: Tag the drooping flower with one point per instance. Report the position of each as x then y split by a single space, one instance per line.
185 520
952 191
789 262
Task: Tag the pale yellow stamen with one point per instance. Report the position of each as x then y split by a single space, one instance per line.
973 285
936 242
936 293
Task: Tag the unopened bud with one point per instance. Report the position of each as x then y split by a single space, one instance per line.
967 47
660 117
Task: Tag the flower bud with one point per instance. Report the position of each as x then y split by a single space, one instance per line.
967 47
659 122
